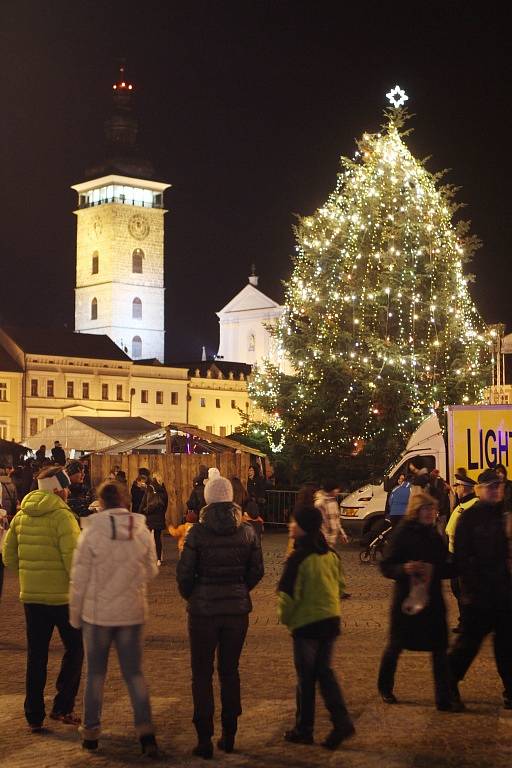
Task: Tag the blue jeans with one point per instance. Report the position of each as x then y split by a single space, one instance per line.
128 642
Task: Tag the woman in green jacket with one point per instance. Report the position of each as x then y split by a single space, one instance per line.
309 604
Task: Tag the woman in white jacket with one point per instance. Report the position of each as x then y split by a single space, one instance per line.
114 559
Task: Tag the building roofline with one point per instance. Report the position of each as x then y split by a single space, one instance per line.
113 178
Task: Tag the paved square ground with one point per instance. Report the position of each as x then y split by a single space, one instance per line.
411 735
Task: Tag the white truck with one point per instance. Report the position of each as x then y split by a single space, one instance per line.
475 437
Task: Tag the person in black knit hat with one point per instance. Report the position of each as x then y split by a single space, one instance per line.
309 604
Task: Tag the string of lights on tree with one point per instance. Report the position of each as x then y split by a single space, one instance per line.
379 323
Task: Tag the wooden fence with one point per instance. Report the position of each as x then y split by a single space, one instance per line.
178 471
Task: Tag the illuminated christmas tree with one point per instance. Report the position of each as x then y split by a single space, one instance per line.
379 323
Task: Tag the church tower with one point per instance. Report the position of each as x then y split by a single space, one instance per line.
120 240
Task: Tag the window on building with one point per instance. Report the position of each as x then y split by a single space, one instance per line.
85 390
233 403
119 391
94 309
95 263
137 257
144 395
222 431
70 388
209 429
3 391
159 398
136 347
49 422
217 403
33 387
104 391
174 398
33 426
50 388
203 402
3 429
137 309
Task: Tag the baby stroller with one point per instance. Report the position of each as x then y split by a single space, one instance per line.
376 541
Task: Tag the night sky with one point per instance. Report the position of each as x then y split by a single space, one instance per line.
245 106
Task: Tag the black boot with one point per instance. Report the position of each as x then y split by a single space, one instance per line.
204 749
150 747
226 741
338 734
90 744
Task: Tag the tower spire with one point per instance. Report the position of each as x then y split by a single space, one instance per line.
122 152
253 277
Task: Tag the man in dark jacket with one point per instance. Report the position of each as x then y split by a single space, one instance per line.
483 550
138 488
80 497
220 564
58 455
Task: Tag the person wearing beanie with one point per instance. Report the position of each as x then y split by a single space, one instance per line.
309 605
220 564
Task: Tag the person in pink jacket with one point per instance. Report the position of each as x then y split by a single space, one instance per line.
114 559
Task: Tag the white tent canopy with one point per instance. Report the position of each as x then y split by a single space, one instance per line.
90 433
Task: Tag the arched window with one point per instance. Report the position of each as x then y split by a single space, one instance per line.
137 309
94 309
95 263
137 257
136 347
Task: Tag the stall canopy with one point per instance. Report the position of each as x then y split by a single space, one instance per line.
11 452
193 437
90 433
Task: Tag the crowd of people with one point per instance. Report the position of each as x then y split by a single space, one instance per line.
469 543
84 561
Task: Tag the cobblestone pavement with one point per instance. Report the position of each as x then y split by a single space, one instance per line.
411 735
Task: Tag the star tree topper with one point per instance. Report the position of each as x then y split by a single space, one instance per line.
397 96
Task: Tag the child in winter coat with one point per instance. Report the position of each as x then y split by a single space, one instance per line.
309 604
114 559
180 532
252 516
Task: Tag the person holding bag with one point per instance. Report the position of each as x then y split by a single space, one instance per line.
154 507
417 559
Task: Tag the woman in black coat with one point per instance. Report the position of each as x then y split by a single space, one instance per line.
220 564
417 553
154 507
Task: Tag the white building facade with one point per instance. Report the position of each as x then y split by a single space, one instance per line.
244 323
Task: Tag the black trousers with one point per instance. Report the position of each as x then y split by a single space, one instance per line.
226 635
455 587
312 660
477 623
389 662
41 621
157 533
